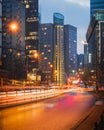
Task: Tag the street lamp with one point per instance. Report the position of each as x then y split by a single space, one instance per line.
35 55
13 26
51 66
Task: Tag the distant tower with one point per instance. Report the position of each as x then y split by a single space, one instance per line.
59 72
70 47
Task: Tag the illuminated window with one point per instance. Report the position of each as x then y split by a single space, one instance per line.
45 45
45 33
80 63
45 28
45 58
10 50
42 53
49 50
90 56
33 33
27 6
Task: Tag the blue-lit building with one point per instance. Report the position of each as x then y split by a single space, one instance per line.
58 62
46 49
96 5
70 49
13 42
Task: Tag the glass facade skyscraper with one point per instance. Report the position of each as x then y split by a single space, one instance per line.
31 38
96 5
70 46
59 71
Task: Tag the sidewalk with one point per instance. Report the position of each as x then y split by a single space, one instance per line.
89 119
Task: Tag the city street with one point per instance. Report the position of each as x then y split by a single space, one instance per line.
51 65
59 113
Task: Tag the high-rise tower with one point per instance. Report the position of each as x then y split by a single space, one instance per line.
59 71
70 47
31 38
46 51
96 5
95 40
13 38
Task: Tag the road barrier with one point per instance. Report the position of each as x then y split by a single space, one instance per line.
20 97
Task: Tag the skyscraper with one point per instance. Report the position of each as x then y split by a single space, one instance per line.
59 71
95 39
46 32
31 39
13 38
96 5
95 43
70 47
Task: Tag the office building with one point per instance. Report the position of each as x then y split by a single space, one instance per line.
95 39
59 70
31 38
46 51
13 38
96 5
70 48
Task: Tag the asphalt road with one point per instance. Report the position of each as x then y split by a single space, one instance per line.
60 113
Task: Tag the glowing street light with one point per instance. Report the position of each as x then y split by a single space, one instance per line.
13 26
51 66
35 55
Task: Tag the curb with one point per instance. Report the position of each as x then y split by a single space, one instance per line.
83 118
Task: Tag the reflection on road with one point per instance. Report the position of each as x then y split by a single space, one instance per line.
59 113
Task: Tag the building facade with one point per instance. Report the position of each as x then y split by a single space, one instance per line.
13 38
96 5
59 70
31 39
95 39
80 63
46 49
70 49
